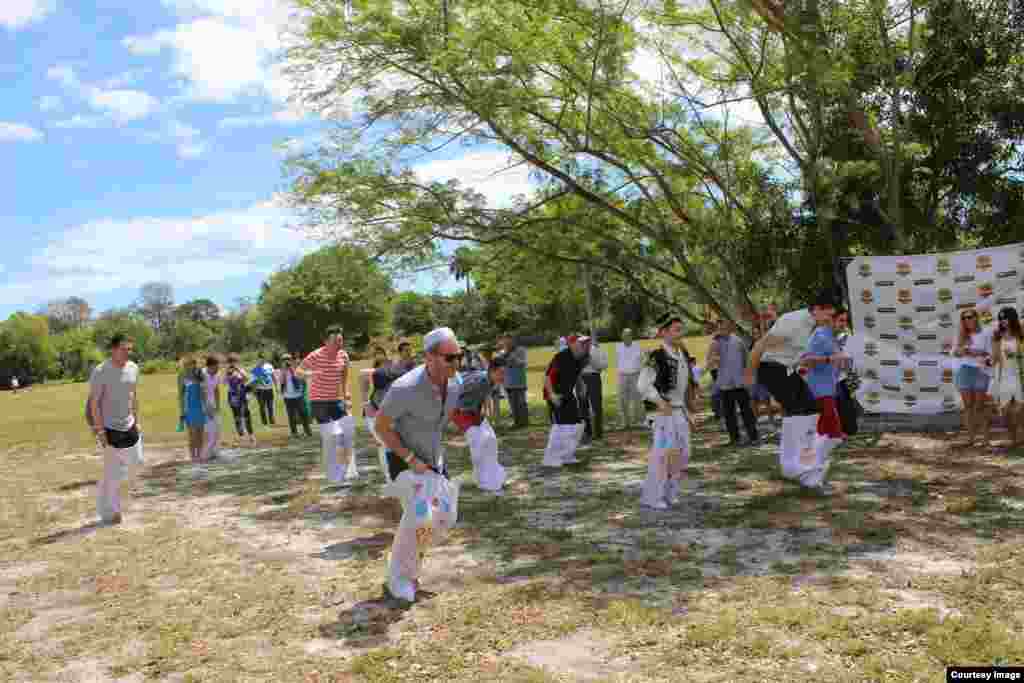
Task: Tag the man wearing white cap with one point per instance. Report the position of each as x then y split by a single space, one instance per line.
411 424
560 381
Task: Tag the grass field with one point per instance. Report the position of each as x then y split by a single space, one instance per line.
249 571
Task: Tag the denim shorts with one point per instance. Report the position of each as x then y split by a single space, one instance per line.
971 378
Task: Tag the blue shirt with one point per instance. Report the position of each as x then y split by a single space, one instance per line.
822 378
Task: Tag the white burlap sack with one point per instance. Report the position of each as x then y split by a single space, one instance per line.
483 451
430 505
796 450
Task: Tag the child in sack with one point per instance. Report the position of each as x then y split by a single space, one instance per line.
823 361
475 389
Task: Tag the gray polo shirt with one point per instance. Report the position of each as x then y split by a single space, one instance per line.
118 387
414 405
732 352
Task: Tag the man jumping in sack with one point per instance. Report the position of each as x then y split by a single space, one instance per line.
774 363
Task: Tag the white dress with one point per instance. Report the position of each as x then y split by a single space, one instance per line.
1008 374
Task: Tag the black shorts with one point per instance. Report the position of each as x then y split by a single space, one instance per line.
789 389
118 439
396 466
325 412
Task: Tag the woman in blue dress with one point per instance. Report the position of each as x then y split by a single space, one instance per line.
190 401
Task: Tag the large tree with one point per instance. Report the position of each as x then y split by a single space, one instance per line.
156 303
641 180
336 285
26 349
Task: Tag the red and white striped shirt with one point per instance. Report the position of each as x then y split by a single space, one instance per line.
325 384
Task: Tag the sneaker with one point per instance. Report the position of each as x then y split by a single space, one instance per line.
660 505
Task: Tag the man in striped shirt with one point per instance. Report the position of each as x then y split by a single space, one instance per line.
327 373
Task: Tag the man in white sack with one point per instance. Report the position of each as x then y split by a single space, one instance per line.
774 364
113 412
411 424
560 384
668 386
474 388
327 368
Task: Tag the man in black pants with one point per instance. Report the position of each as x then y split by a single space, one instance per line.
731 352
774 362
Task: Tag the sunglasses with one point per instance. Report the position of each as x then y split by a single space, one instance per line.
450 357
969 317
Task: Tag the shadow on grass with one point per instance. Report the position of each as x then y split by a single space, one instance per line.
583 523
76 485
70 534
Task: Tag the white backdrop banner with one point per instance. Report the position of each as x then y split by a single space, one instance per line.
906 313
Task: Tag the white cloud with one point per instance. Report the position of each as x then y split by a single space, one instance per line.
63 74
80 121
121 80
487 172
16 132
50 103
15 14
282 117
108 255
123 106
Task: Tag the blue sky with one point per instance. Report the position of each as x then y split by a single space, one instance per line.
140 141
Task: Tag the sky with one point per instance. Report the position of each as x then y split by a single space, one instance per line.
141 141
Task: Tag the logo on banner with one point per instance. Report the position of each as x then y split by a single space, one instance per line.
905 296
870 349
925 309
926 282
943 266
966 305
890 363
909 376
894 388
984 262
864 269
1006 301
945 320
962 279
906 322
870 322
887 309
928 364
985 317
909 349
871 374
885 283
927 337
903 269
873 398
1007 274
985 290
945 295
948 402
866 296
947 375
910 400
889 337
1020 255
929 390
947 346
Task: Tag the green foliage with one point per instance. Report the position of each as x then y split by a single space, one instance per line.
184 336
414 314
335 285
26 349
77 353
159 366
129 323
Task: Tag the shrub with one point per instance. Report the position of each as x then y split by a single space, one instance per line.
158 366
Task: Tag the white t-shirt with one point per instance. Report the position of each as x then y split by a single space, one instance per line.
982 342
630 358
795 329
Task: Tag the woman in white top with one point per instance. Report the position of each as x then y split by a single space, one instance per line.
974 349
1008 371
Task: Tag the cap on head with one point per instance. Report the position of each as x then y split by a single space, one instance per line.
435 338
825 297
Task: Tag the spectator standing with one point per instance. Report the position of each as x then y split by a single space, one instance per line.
629 361
293 390
263 386
237 380
732 359
591 375
515 380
